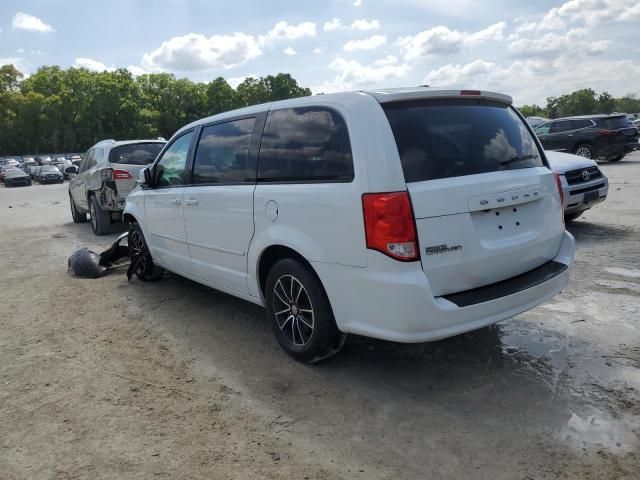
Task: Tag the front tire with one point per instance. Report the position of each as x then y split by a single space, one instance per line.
585 150
146 270
100 219
617 158
300 313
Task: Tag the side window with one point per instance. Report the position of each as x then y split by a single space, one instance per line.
305 144
542 129
171 168
85 162
97 157
561 126
223 153
581 124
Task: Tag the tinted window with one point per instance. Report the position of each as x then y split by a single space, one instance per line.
561 126
223 153
301 144
451 138
135 154
542 129
613 123
171 168
581 124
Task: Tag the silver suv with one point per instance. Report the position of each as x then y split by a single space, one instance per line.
105 176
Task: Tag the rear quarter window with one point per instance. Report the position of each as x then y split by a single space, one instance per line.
455 137
305 144
613 123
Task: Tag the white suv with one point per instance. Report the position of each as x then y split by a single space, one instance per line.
407 215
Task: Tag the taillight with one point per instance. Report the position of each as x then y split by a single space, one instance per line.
390 226
121 175
470 92
559 185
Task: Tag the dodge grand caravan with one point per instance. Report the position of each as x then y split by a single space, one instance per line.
408 215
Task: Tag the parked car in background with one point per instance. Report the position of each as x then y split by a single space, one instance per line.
408 215
535 121
5 169
49 174
16 178
32 170
584 185
106 175
598 137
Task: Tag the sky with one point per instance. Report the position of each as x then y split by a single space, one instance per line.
530 50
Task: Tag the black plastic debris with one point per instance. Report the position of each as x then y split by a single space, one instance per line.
86 263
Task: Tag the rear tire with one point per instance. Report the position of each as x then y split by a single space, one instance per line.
300 313
77 216
100 219
570 217
146 270
585 150
617 158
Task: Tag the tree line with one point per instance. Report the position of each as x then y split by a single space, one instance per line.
583 102
68 110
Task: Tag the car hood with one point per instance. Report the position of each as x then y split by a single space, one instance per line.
564 162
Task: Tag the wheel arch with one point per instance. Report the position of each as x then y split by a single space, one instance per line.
271 255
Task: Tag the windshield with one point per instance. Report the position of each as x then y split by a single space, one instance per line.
455 137
50 169
135 154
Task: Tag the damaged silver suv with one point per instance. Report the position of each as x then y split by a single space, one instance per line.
107 173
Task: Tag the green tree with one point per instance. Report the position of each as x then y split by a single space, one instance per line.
532 111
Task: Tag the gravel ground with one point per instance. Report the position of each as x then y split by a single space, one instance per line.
110 379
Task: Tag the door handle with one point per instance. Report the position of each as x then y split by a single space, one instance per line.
175 201
191 201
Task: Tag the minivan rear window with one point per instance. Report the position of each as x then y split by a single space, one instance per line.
135 153
442 138
305 144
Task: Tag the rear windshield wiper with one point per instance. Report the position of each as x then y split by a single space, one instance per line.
519 158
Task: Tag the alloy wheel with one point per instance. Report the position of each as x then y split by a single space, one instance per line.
293 310
137 247
584 152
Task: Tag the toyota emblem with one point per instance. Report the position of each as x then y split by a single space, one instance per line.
586 175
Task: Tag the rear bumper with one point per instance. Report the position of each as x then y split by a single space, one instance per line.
392 300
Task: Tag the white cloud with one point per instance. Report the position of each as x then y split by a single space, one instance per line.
575 40
93 65
289 51
318 50
352 74
533 80
136 71
365 25
283 31
441 40
371 43
24 21
593 12
195 51
20 50
357 3
335 24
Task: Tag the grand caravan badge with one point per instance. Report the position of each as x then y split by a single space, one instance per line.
437 249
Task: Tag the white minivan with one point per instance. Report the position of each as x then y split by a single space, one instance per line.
407 215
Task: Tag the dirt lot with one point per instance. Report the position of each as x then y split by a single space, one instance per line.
110 379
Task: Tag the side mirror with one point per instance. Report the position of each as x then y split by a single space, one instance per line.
71 169
144 177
